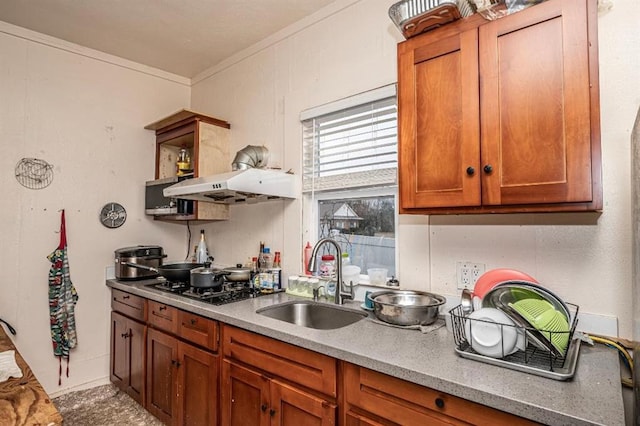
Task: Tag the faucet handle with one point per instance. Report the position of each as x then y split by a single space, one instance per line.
316 293
341 295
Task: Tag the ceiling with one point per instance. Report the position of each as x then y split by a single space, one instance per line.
183 37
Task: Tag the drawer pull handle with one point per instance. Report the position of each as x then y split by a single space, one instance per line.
439 402
263 407
272 412
162 308
125 297
193 321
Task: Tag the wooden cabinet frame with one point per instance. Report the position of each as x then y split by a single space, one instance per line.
208 140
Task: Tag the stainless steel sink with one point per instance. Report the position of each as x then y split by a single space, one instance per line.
321 316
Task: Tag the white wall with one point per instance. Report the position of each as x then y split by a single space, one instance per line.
350 47
83 112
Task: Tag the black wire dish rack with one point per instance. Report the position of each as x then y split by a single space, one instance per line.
538 358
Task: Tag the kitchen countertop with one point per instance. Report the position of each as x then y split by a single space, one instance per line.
592 397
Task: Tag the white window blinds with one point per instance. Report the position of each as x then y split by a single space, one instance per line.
351 143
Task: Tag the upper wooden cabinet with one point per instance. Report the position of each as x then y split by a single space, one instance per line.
207 140
502 116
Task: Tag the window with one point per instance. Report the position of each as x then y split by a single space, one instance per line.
350 162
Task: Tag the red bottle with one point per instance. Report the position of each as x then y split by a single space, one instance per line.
307 258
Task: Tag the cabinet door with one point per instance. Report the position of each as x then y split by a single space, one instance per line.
162 363
536 108
197 386
245 396
438 125
119 371
136 388
293 407
127 355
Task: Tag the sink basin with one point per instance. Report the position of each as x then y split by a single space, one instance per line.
321 316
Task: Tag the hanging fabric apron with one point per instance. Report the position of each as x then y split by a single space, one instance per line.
62 302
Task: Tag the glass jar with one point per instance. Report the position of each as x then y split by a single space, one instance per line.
292 283
313 284
327 266
303 284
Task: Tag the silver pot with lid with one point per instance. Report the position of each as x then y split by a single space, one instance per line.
145 255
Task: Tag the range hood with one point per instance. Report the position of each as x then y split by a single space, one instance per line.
247 186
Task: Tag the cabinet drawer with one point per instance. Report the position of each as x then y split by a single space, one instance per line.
128 304
408 403
301 366
163 316
198 330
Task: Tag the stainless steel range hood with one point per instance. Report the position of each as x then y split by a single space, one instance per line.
248 186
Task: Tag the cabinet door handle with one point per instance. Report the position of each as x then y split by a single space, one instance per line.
272 412
264 407
439 403
488 168
470 171
175 362
124 335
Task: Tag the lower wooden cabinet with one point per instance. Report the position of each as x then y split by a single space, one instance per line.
182 381
170 365
267 382
127 356
251 398
373 398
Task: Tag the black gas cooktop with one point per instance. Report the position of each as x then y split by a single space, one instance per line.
229 291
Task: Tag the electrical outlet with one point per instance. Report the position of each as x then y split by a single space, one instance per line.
467 273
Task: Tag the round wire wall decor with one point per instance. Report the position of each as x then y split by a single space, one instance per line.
34 173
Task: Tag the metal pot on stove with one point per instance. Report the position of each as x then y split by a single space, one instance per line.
143 255
237 274
207 277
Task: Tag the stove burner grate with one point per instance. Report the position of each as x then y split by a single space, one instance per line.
229 292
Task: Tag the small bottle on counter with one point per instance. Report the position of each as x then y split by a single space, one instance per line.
202 255
276 273
307 258
267 259
345 259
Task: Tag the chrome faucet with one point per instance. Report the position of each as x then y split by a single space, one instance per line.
340 294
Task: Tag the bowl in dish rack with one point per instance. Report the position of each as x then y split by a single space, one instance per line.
492 333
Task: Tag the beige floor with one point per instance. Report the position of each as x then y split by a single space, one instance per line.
102 406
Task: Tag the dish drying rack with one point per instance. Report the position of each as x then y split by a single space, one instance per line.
532 360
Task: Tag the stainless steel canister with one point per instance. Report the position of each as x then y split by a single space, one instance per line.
142 255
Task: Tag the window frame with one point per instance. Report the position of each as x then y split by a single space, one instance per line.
311 197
